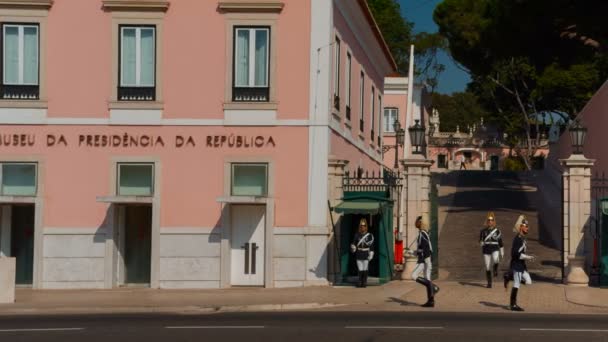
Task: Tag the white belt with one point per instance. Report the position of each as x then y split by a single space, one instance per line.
490 243
363 249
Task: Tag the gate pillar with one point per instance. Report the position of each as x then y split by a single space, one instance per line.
415 201
336 172
577 215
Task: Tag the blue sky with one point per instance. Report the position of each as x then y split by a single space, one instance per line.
420 12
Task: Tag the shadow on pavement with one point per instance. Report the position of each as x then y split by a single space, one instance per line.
467 283
401 301
494 305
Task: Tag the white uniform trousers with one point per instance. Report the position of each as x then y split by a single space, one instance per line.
426 266
491 259
362 265
519 276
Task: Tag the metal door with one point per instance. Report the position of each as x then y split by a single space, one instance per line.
247 245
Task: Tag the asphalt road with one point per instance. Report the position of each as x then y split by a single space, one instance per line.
306 326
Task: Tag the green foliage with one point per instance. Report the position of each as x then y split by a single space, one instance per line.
514 164
462 109
534 47
397 33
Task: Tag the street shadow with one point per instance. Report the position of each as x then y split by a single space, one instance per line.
544 279
401 301
467 283
494 305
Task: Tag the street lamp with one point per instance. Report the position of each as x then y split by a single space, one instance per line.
577 136
399 137
416 136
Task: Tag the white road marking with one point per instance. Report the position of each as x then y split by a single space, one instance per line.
40 329
218 327
564 330
388 327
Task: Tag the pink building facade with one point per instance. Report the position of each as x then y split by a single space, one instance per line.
181 144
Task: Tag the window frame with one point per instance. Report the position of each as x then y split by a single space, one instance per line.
362 103
265 90
143 90
337 64
22 90
349 67
36 176
373 113
391 129
266 175
128 163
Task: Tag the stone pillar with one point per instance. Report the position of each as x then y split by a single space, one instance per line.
577 214
335 192
415 199
7 280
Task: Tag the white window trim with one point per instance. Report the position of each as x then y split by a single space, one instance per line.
389 110
137 55
252 41
232 168
118 167
349 64
19 163
362 97
337 52
21 35
373 110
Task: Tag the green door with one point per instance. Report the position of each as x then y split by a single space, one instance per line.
138 233
604 252
22 242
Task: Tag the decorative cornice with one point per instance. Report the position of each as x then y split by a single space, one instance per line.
251 6
29 4
136 5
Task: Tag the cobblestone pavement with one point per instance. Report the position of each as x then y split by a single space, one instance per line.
506 194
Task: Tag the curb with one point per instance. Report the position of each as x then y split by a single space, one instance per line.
169 310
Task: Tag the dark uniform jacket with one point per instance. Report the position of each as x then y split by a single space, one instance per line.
425 249
364 244
491 240
518 248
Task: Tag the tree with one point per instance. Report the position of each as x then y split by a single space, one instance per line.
525 59
459 109
397 33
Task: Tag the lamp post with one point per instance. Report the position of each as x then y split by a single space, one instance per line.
416 136
399 137
577 136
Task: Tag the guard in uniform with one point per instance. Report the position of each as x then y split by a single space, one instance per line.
363 248
490 240
424 265
519 256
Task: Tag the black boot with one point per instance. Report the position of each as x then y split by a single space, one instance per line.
514 306
364 282
489 278
495 270
435 289
360 281
430 300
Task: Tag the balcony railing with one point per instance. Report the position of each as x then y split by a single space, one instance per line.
136 93
250 94
20 92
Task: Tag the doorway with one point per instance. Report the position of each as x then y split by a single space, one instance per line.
136 245
494 163
247 246
22 242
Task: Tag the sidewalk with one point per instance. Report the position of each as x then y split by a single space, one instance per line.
395 296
